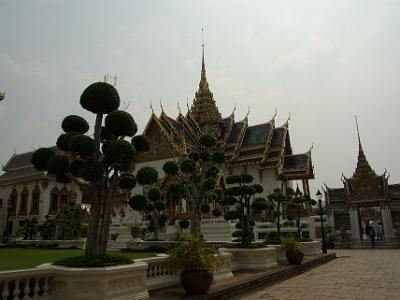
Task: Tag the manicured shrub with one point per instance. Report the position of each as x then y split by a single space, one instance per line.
154 194
141 143
105 134
120 153
40 158
64 140
138 202
159 205
127 182
73 123
76 166
91 171
120 123
82 145
100 97
170 167
147 176
208 140
57 164
188 166
83 261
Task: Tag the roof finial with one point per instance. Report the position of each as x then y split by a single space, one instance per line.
151 107
312 146
276 112
358 134
187 104
203 66
179 108
248 112
234 109
162 108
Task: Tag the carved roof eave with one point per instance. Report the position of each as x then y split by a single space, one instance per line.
229 130
181 118
180 150
308 173
167 119
240 140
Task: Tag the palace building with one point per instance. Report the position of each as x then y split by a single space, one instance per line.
365 198
262 150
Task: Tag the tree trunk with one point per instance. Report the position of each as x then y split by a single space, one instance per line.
106 217
195 227
156 226
92 241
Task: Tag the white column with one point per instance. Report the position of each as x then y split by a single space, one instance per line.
387 223
354 223
44 203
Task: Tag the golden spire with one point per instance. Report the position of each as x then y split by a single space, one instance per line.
204 110
362 162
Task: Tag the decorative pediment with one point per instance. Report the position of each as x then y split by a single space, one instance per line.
161 146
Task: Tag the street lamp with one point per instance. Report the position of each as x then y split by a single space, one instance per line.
319 198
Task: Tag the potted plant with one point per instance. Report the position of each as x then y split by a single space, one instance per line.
196 261
293 254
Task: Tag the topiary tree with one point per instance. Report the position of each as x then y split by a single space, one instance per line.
68 221
277 198
197 173
98 163
47 229
151 201
240 192
29 228
295 209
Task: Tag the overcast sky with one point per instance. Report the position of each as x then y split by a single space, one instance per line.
322 61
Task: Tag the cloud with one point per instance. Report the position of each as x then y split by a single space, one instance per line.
316 47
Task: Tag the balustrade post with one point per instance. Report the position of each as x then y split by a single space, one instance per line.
46 286
4 293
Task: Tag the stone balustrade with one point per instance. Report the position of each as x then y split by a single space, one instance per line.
129 282
159 275
25 284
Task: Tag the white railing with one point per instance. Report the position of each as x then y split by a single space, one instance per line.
160 275
25 284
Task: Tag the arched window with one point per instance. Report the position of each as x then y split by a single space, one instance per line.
64 197
54 201
72 195
35 201
12 203
23 206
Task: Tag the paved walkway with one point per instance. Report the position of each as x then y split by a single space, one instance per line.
355 274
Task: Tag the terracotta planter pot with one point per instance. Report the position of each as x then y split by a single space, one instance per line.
294 256
196 282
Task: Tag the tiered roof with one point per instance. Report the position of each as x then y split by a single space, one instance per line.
20 169
364 185
263 145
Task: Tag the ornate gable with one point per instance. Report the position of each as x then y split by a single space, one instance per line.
161 144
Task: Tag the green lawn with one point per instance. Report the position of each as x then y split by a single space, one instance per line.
20 258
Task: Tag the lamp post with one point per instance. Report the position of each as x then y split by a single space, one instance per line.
319 198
